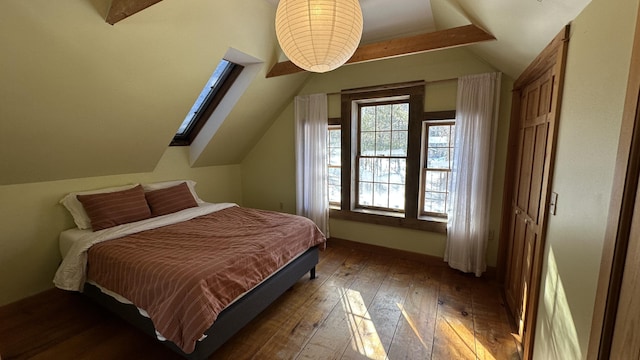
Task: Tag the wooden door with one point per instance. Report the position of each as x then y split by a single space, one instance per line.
625 344
527 212
532 138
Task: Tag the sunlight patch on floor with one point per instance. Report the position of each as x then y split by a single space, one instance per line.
364 337
412 325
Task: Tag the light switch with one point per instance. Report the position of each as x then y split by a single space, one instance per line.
553 202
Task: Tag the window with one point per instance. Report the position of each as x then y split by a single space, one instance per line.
382 155
389 168
437 154
334 169
214 90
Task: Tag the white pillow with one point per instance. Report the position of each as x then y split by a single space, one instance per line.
165 184
76 209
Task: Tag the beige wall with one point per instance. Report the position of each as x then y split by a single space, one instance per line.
261 171
597 69
82 98
31 218
268 171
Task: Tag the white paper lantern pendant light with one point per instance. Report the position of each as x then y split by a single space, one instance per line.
319 35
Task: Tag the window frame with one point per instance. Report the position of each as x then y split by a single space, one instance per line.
360 156
334 124
433 118
212 101
415 91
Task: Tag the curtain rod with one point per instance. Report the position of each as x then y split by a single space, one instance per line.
417 82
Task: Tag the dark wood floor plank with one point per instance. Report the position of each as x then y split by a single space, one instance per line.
23 322
492 329
111 339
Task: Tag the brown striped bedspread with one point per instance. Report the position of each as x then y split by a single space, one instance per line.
185 274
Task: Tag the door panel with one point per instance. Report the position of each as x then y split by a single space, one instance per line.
546 93
526 160
516 254
537 172
527 272
533 100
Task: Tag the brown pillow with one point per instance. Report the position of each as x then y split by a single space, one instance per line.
106 210
171 199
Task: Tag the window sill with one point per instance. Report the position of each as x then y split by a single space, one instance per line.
392 214
433 218
430 224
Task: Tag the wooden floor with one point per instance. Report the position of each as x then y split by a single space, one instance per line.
363 305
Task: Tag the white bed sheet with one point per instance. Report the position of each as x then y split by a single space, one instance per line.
69 237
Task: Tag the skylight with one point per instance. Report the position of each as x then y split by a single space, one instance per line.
215 88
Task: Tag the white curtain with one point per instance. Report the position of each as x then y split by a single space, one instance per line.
472 172
311 126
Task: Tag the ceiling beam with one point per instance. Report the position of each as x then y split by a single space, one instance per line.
121 9
437 40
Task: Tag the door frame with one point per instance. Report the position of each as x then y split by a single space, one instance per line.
554 55
621 207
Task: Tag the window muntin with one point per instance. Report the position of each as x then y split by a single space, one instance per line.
334 167
438 139
214 90
382 155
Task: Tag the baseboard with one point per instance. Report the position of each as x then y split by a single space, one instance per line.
490 274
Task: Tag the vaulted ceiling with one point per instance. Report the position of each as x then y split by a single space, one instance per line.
80 97
523 28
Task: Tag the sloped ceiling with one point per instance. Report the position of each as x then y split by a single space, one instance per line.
522 28
81 98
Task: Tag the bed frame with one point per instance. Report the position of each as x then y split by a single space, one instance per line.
231 319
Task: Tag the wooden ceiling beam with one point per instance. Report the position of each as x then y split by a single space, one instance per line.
121 9
437 40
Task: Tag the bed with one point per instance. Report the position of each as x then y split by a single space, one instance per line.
193 277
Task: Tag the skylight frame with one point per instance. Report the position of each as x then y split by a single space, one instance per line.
213 92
